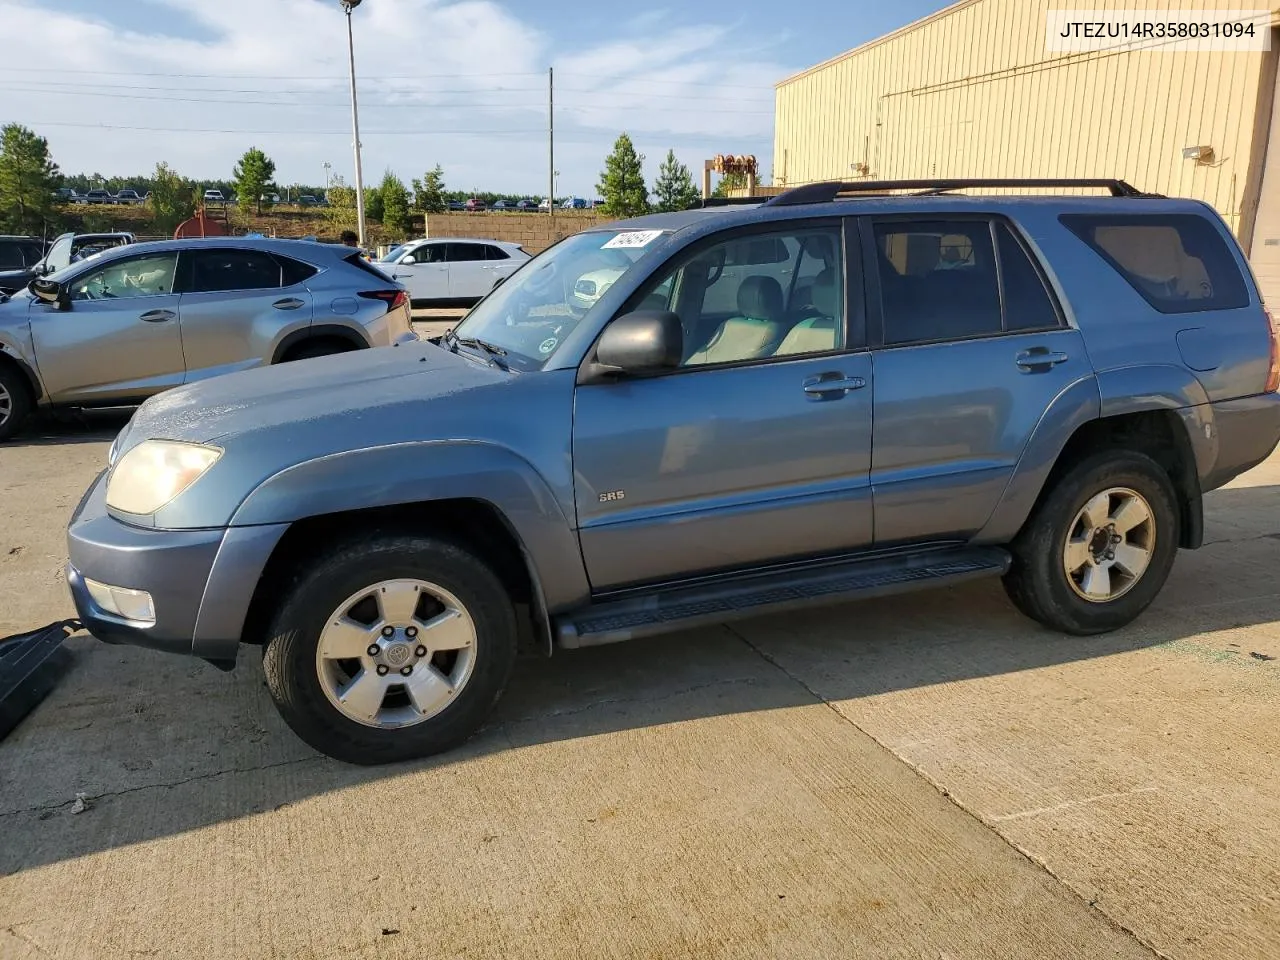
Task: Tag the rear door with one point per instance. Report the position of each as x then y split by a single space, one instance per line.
118 340
467 270
499 264
970 350
237 304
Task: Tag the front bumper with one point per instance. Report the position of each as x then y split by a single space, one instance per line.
200 581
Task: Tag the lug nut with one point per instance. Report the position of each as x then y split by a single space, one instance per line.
1110 555
405 671
420 652
382 669
373 650
410 631
388 631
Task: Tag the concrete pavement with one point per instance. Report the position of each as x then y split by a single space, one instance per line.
923 776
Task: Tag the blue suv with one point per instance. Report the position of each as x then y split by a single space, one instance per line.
845 391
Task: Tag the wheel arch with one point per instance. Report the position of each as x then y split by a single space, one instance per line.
10 357
318 331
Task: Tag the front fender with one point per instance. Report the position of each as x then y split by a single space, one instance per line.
420 471
16 345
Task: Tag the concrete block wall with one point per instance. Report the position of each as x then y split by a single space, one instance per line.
533 231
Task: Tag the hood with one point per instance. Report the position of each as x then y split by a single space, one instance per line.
318 406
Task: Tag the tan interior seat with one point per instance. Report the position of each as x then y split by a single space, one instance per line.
755 333
818 333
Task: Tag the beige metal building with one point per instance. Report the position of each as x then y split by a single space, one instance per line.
974 91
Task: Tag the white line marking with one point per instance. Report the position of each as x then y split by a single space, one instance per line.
1070 803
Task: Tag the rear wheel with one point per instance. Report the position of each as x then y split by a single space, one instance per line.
15 401
391 648
1099 547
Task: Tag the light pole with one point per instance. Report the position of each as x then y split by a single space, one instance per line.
348 6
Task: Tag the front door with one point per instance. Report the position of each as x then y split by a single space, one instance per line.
118 341
424 272
970 352
758 448
236 308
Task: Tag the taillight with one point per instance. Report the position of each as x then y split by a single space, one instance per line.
392 298
1273 375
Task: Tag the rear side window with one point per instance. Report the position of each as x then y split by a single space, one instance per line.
293 271
462 252
1026 301
495 253
1179 263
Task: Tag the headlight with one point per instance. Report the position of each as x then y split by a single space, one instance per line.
156 471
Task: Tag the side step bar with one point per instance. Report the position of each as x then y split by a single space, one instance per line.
679 608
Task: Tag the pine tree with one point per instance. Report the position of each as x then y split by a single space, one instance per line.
622 181
29 180
252 176
395 203
172 200
674 188
428 193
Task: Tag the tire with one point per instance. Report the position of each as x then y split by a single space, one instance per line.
302 682
1038 582
15 401
316 348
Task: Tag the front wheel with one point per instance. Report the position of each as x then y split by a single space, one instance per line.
1100 546
391 648
15 402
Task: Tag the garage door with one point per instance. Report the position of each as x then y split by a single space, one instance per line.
1265 252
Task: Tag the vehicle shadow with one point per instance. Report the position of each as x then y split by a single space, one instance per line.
89 426
163 745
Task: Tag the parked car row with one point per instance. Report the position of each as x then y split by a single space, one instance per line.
117 327
66 249
476 205
100 195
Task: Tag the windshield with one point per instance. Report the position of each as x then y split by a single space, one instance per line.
390 255
530 315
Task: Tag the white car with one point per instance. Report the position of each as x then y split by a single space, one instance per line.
453 269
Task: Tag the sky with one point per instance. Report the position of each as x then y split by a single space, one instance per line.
117 85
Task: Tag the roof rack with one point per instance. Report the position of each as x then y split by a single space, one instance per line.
730 201
834 190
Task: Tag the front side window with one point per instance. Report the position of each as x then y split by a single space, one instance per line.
216 270
148 276
757 297
427 253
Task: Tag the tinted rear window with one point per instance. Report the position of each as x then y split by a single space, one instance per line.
293 271
361 263
1179 263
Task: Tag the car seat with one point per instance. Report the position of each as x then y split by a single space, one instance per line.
755 332
818 333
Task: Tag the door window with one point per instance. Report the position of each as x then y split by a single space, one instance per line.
938 280
428 253
59 255
465 252
214 270
757 297
294 271
1027 305
148 276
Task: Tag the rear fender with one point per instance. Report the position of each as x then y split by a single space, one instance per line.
417 472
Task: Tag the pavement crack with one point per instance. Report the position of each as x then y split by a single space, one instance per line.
611 701
166 785
1091 905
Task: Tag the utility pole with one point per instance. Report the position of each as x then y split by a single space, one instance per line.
551 142
348 6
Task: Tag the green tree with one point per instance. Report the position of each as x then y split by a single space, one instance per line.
172 200
622 183
395 203
29 180
428 193
253 176
373 209
674 188
730 181
341 211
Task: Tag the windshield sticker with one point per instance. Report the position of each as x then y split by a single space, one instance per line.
635 238
547 345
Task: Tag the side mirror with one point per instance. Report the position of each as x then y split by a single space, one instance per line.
409 261
50 291
644 341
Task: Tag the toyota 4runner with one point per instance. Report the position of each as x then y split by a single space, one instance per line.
844 391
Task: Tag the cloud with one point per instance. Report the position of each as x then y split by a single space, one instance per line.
460 83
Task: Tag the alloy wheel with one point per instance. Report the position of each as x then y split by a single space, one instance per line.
1109 545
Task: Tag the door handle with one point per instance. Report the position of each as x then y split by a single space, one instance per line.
288 303
157 316
835 383
1039 358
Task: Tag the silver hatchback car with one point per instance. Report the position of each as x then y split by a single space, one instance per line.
120 326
